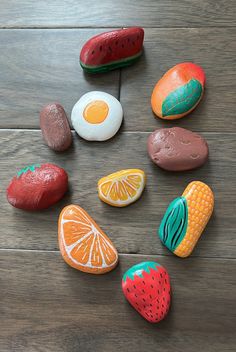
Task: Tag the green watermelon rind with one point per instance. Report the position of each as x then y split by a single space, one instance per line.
112 65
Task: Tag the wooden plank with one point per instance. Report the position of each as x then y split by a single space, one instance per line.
48 306
40 66
213 49
149 13
133 229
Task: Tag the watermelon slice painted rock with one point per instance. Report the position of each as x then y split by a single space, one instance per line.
147 288
179 91
37 187
111 50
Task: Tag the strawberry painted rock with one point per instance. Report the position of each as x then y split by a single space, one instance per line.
147 288
111 50
37 187
179 91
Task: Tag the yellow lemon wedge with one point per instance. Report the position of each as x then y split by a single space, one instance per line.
122 187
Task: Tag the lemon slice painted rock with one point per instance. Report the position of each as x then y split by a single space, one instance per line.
122 187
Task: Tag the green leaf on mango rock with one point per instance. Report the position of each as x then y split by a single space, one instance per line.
182 99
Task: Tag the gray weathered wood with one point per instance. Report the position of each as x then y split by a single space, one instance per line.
149 13
133 229
213 49
48 306
41 66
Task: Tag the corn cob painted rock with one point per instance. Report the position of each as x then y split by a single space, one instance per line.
110 50
186 218
179 91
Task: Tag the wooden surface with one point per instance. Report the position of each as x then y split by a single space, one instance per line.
48 306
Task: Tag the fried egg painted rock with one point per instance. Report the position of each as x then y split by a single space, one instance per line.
97 116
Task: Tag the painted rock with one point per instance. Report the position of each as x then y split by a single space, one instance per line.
146 286
122 187
55 127
179 91
177 149
111 50
37 187
83 245
185 219
97 116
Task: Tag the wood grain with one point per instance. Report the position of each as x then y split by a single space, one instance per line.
213 49
48 306
149 13
132 229
42 66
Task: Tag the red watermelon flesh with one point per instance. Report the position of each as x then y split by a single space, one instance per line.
112 46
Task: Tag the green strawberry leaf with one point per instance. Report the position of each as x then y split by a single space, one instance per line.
182 99
139 268
174 223
27 168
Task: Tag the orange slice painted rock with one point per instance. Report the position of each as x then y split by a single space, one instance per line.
83 245
179 91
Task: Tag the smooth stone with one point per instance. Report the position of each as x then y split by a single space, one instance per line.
55 127
110 50
122 188
177 149
179 91
83 245
146 286
97 116
186 218
37 187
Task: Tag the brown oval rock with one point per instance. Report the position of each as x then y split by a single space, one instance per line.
177 149
55 127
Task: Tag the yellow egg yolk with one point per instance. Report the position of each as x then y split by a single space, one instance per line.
96 111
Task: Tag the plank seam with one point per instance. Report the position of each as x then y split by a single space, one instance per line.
120 254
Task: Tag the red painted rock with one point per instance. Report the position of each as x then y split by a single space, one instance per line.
37 187
147 288
111 50
177 149
55 127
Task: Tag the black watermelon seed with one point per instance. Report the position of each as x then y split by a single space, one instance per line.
159 282
158 292
117 42
134 287
150 304
147 314
110 49
151 286
163 299
151 316
165 281
135 295
92 52
153 277
100 48
143 291
144 300
144 282
161 275
127 289
150 296
162 306
164 289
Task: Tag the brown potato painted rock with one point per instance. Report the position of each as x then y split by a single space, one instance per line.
55 127
177 149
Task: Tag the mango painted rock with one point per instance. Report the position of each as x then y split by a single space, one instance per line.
55 127
82 243
179 91
177 149
111 50
146 286
37 187
122 187
185 219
